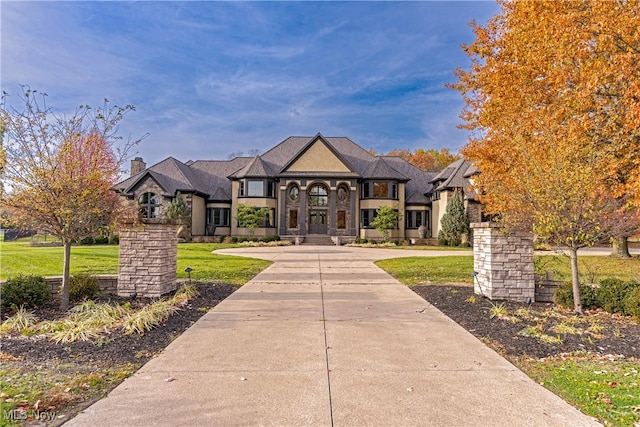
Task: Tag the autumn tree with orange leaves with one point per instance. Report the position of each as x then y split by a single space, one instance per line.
59 170
429 160
553 102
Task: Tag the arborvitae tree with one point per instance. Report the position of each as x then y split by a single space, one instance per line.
455 222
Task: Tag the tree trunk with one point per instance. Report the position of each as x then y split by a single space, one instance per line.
620 247
64 292
577 302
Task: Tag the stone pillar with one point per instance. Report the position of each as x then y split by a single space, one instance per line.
148 258
503 263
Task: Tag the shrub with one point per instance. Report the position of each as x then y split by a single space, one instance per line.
612 293
102 240
632 303
87 241
25 290
372 241
83 286
564 296
442 240
588 295
114 239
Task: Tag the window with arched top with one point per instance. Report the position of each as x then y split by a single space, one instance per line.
318 195
342 194
149 204
294 192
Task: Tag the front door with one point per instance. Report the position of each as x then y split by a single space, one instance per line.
317 222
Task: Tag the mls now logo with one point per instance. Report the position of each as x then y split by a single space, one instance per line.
15 415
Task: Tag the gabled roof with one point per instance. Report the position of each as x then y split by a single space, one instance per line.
381 169
473 170
452 176
356 158
170 174
318 138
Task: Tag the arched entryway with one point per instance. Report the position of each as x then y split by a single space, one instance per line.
318 204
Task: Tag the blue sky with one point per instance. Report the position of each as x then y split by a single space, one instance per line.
213 78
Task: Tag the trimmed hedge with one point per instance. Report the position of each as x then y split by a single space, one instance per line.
612 293
632 303
613 296
564 296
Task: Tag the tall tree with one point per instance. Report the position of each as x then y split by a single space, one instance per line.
60 170
429 160
423 159
554 106
442 158
402 153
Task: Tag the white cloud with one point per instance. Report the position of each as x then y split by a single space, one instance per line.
210 78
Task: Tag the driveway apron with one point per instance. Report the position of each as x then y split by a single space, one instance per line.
323 337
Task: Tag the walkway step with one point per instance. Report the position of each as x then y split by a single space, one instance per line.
318 240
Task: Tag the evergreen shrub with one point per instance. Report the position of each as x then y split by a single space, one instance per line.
632 303
612 293
28 291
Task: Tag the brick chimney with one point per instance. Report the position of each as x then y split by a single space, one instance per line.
137 166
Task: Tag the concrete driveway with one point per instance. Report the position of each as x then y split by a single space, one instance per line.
323 337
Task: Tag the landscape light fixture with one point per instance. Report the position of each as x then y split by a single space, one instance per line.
188 270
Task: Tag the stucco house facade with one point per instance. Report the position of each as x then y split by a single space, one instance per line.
313 187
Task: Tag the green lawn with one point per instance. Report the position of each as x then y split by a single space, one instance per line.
414 270
601 386
19 257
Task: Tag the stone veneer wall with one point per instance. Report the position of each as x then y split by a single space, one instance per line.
503 263
148 258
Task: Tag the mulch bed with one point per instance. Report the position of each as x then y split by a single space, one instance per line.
613 334
118 348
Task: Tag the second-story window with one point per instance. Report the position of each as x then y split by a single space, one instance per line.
255 188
